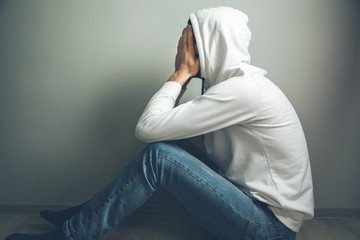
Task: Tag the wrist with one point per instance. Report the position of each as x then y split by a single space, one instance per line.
180 77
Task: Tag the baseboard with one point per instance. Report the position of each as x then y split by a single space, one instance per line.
337 213
149 209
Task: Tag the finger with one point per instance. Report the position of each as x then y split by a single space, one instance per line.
183 30
188 33
189 36
192 34
190 40
183 40
180 42
184 36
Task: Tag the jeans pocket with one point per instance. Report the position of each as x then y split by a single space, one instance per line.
280 228
265 226
262 232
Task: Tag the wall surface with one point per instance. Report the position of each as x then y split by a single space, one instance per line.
76 75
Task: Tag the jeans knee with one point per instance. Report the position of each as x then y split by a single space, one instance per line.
155 155
158 149
158 146
153 163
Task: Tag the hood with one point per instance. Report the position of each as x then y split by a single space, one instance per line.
222 38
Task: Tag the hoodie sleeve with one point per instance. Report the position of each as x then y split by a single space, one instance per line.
228 103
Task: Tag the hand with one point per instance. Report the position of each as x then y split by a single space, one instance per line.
187 64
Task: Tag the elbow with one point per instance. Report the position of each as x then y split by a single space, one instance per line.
143 134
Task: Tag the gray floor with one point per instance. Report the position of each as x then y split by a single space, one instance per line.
177 227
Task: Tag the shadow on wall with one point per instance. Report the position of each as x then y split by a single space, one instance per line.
350 83
109 126
3 2
335 159
73 143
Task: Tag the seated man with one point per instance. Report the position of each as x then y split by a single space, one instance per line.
263 189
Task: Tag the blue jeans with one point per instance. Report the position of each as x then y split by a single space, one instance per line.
215 202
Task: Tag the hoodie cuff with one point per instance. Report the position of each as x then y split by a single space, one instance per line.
171 88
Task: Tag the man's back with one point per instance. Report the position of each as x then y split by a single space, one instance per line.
266 154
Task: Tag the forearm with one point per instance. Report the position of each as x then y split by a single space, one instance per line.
163 101
158 121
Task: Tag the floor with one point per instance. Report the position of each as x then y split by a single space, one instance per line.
177 227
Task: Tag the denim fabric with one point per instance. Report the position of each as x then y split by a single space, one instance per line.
221 207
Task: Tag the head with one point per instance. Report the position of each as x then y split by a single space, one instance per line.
222 41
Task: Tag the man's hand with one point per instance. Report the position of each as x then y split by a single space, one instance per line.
187 65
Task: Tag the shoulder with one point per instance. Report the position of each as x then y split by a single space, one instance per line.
238 88
238 93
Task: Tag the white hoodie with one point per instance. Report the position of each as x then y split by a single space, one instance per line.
252 131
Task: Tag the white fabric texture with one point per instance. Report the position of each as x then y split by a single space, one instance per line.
252 131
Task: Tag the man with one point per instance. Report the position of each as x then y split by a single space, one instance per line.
251 132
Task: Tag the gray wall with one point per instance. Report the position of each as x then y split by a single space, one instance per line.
76 75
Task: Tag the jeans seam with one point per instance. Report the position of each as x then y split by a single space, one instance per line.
212 190
204 184
66 231
109 200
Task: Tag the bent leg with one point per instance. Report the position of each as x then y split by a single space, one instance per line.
216 203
